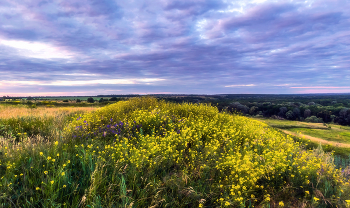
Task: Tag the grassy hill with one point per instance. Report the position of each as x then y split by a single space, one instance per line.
149 153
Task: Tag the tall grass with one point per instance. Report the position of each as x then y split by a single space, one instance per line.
149 153
20 122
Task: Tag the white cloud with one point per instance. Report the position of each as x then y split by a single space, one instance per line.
249 85
37 49
147 81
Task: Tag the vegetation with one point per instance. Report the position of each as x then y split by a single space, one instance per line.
145 152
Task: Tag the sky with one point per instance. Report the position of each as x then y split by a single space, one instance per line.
103 47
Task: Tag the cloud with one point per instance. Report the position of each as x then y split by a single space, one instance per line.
194 46
249 85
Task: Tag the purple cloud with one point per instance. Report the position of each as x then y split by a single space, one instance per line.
195 46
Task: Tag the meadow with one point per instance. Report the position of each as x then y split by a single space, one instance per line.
146 152
333 137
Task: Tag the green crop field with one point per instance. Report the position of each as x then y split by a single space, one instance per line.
150 153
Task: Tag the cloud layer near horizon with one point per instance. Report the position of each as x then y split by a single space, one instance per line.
81 47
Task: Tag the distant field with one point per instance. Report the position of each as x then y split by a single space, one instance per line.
336 133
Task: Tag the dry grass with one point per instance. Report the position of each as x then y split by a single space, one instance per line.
23 111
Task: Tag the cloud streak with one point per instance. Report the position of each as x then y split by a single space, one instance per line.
194 46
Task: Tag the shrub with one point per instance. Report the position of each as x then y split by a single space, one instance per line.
90 100
314 119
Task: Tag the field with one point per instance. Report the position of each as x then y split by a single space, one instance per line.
330 132
149 153
331 136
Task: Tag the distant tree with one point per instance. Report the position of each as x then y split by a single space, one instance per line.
236 106
29 98
343 112
252 110
311 103
78 101
66 101
290 115
314 119
344 116
283 111
113 99
307 113
101 100
296 112
333 118
90 100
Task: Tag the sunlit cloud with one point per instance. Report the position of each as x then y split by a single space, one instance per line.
85 82
321 87
37 49
249 85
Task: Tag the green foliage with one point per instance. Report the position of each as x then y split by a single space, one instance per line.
90 100
314 119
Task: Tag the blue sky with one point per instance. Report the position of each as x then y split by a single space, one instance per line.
90 47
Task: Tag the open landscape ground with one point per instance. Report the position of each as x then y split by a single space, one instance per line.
150 153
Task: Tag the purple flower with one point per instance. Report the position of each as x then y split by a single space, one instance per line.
111 119
108 126
84 121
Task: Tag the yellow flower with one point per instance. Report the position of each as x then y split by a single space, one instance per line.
227 203
64 186
37 188
58 155
56 142
347 201
49 158
53 160
21 174
281 204
316 199
307 192
41 153
64 165
68 161
62 173
52 182
15 176
45 172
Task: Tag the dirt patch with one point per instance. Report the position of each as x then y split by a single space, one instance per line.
317 140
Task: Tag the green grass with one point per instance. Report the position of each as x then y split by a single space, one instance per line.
148 153
336 133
